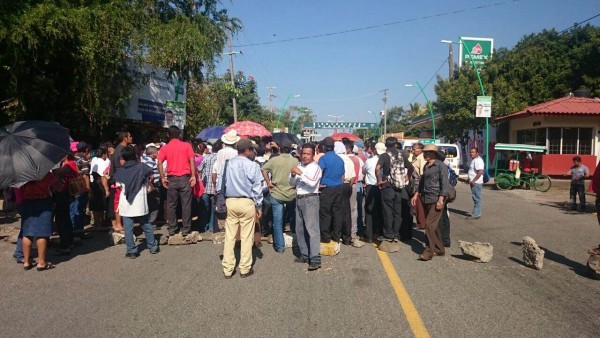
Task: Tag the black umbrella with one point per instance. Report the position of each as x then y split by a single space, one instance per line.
278 137
29 150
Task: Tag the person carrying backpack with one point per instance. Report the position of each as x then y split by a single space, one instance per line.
392 172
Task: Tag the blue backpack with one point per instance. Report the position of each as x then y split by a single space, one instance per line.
452 177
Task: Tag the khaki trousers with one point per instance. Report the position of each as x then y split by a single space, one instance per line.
241 213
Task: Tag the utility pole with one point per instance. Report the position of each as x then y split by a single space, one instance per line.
385 98
231 52
450 59
271 97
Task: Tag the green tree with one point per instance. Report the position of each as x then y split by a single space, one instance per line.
541 67
66 60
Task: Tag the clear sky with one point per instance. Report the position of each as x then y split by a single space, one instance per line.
342 74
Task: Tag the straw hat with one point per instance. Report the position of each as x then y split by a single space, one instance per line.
438 154
231 137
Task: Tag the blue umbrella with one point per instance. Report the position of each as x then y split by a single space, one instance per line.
214 132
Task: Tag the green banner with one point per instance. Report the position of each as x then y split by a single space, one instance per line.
340 125
480 49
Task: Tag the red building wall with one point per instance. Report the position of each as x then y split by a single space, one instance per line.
556 164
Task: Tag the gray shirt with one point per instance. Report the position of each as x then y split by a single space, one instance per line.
434 182
578 174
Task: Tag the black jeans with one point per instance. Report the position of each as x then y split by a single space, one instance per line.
330 216
577 189
346 214
373 212
62 218
179 189
154 204
392 212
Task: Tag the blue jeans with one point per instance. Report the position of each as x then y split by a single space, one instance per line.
278 214
77 210
209 212
18 254
148 228
476 193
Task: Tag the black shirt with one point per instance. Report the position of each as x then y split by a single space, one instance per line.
434 182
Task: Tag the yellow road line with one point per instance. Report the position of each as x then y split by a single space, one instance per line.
412 316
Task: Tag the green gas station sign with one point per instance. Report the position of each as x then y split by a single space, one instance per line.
479 49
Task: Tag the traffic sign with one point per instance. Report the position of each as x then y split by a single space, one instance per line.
340 125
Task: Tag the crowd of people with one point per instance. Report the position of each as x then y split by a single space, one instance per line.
327 193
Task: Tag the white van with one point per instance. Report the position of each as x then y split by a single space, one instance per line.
453 156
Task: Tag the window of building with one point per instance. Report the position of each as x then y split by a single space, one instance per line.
554 136
532 136
585 141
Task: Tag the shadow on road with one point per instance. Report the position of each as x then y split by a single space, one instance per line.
465 257
459 212
256 254
579 268
99 242
565 208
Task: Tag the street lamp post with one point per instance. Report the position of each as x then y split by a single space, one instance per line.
283 108
378 121
450 59
428 104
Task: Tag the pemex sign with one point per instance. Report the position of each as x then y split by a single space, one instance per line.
480 49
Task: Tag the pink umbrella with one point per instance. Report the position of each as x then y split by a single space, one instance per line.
248 128
340 136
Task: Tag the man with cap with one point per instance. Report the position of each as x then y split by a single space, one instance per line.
332 167
226 153
179 178
372 195
243 194
282 194
432 193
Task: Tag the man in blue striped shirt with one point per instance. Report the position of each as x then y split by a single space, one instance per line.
149 159
243 192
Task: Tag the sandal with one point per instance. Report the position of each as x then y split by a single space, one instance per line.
28 267
47 266
594 251
120 231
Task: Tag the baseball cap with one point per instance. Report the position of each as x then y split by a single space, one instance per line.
82 146
380 148
245 144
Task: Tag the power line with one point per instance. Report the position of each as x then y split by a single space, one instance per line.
381 25
579 23
428 82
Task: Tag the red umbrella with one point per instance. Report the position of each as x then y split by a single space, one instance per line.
340 136
248 128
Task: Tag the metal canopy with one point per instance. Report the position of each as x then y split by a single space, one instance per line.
520 147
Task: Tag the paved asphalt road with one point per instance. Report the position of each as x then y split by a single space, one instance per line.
181 291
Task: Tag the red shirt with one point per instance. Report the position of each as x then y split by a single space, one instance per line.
39 189
177 154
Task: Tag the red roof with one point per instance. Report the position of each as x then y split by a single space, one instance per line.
568 105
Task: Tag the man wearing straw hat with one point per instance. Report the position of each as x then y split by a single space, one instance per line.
228 152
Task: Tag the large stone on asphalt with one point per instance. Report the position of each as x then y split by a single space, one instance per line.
119 238
178 239
290 241
218 237
482 251
162 239
593 265
330 249
533 256
389 246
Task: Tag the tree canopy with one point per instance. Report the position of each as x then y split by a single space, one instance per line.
540 68
65 60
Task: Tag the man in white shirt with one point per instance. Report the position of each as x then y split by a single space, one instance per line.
476 168
228 152
306 177
374 218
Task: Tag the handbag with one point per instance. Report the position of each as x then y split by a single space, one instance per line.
77 185
451 194
198 189
220 206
